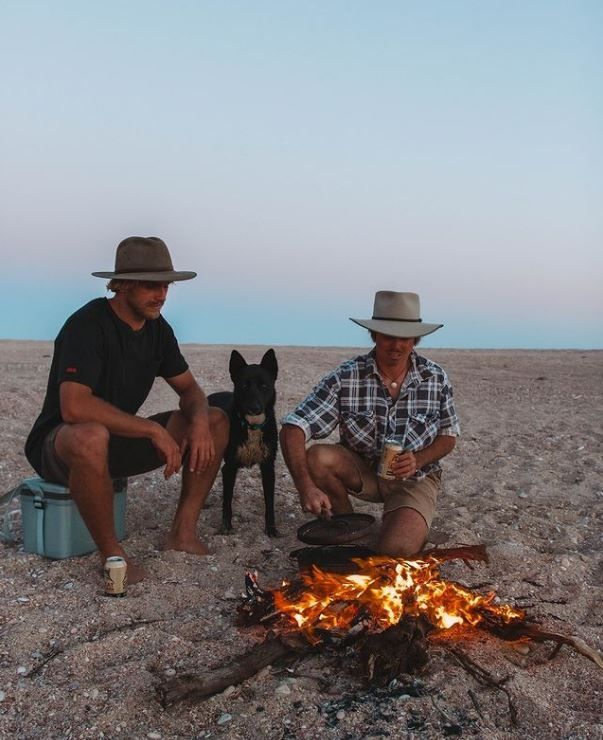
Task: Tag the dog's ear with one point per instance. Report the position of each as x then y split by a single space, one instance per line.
236 364
270 364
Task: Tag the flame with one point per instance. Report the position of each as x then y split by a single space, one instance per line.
385 590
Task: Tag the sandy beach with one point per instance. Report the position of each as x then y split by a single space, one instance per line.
526 479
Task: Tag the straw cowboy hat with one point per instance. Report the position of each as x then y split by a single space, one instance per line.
397 315
144 258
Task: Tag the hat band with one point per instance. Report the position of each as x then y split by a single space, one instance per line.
389 318
144 269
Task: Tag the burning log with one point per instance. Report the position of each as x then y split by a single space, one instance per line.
466 553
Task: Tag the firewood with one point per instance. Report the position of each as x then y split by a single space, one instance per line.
203 685
466 553
398 649
517 630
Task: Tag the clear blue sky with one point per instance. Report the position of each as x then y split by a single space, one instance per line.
301 155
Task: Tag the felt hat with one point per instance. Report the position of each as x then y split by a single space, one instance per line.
397 315
144 258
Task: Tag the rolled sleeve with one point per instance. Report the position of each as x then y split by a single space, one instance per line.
294 419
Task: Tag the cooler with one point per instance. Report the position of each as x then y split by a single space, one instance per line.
52 525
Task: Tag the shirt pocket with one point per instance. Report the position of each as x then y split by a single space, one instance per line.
358 431
422 429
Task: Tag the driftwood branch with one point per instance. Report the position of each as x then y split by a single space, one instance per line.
202 685
536 633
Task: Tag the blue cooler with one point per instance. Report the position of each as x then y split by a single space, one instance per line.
52 525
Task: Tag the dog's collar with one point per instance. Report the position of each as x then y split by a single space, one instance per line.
247 425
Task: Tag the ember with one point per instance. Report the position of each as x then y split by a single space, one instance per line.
383 592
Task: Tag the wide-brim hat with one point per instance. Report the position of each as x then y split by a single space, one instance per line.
397 315
144 258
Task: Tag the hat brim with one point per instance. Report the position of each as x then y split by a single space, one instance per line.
401 329
153 277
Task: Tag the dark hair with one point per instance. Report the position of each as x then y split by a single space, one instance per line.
115 284
374 337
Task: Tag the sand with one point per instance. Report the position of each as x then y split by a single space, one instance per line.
526 479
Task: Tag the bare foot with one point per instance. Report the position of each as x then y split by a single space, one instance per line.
192 545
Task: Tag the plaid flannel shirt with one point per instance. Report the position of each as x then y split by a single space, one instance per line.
354 398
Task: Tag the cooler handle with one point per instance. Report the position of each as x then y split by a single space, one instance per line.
38 501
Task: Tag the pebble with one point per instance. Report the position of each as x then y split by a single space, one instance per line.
154 735
282 689
170 672
69 585
522 494
224 718
522 648
340 714
22 599
2 695
94 694
404 697
228 691
21 670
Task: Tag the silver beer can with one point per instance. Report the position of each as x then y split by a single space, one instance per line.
391 448
116 579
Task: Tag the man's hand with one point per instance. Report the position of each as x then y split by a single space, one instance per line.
316 502
167 448
404 465
198 445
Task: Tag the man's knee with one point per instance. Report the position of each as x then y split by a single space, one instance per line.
322 458
403 533
218 421
86 442
178 424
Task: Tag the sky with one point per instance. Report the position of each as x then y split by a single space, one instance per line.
301 156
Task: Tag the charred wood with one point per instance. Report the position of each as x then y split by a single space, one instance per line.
398 649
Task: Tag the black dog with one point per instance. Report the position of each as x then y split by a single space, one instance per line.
253 436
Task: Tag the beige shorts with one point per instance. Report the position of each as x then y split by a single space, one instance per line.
420 495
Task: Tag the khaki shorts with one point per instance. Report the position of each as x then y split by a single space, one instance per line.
127 455
420 495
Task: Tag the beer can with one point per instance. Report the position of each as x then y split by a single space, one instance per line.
116 580
391 448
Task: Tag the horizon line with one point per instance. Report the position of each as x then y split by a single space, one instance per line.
352 347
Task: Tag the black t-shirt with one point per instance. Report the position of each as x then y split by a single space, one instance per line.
96 348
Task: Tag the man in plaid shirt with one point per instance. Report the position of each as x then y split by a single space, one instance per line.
389 393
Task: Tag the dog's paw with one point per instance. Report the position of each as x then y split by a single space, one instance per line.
225 529
272 531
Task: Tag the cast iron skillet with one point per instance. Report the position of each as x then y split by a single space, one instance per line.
338 530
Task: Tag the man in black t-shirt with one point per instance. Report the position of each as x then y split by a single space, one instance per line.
106 358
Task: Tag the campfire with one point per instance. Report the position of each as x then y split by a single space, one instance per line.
388 606
379 595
